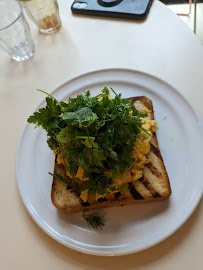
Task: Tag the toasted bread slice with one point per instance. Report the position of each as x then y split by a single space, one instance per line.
153 186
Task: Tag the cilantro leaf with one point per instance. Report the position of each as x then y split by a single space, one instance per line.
47 117
89 142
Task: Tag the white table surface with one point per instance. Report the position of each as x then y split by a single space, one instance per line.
163 46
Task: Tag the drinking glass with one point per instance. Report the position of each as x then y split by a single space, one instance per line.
15 36
44 13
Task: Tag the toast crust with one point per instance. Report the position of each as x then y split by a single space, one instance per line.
154 185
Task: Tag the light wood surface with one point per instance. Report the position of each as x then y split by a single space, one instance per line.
163 46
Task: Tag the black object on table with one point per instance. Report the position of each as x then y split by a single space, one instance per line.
125 9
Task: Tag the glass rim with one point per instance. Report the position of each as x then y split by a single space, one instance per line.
19 15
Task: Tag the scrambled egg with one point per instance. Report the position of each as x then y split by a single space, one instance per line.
80 171
142 148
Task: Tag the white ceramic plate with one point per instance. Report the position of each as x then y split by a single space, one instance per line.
135 227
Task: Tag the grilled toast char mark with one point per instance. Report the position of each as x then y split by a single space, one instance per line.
136 195
156 151
141 190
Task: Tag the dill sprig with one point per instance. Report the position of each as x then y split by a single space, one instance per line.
93 219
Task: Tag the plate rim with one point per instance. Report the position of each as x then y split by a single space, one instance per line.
83 249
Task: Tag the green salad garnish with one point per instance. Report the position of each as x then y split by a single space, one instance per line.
95 133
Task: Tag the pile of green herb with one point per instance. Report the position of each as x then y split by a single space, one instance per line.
95 133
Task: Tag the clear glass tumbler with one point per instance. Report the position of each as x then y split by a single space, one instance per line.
44 13
15 36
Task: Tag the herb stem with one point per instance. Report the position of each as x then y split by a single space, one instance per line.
59 103
85 137
58 176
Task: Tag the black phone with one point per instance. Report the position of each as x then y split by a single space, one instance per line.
124 9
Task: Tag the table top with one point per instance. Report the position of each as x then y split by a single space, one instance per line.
163 46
